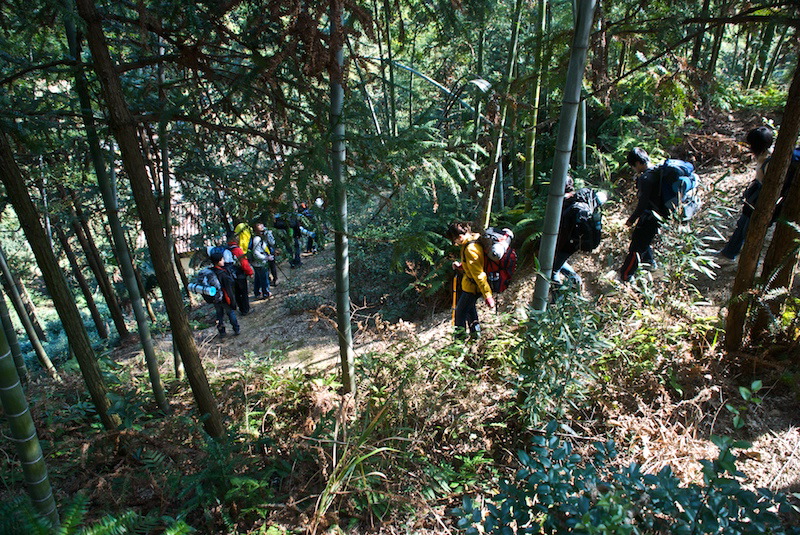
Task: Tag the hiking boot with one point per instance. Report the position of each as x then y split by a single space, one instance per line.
222 333
269 294
236 330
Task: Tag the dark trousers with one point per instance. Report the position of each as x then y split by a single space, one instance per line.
640 251
260 281
734 245
223 310
273 269
242 298
296 261
467 313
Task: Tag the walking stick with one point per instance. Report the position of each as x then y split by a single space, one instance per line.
453 308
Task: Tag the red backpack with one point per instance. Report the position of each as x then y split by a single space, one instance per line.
500 259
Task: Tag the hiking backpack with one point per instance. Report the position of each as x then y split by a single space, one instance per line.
204 281
500 259
588 228
678 179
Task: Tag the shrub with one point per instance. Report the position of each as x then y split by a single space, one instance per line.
559 491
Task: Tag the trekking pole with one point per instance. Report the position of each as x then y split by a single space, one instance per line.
453 308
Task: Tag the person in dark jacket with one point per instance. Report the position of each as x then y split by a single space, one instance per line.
240 270
646 216
228 304
260 263
759 140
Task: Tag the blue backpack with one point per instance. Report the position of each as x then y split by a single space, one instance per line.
678 180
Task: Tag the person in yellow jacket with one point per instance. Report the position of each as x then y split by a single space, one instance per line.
474 282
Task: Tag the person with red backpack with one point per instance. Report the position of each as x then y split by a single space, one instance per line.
474 281
240 270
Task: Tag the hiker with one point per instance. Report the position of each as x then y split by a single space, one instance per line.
283 236
759 140
260 258
474 282
227 305
272 263
240 270
646 216
580 230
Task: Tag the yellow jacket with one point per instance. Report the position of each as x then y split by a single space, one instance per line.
474 280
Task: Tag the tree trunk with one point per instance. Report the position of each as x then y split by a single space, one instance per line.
123 127
530 161
28 308
13 341
107 187
759 222
566 132
100 325
698 41
344 328
68 312
80 226
773 61
762 63
25 319
387 13
497 160
23 434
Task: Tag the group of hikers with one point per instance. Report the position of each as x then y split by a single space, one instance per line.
663 192
253 252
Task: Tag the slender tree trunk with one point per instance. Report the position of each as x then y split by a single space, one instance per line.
23 434
68 312
100 325
387 13
123 127
379 31
340 195
25 302
80 226
108 188
773 60
566 132
623 58
13 341
530 161
477 101
780 262
698 41
25 320
759 222
762 63
497 160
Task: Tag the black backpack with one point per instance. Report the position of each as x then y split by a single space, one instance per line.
587 232
753 191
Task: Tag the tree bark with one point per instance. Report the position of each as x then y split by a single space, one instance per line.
11 177
80 227
697 49
105 181
497 160
759 222
337 157
566 132
25 319
100 325
123 127
28 308
23 433
530 161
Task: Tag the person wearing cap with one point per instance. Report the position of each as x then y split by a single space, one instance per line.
226 307
240 270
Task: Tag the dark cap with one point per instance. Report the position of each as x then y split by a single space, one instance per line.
216 257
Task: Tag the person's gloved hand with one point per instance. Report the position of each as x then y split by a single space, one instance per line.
490 302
